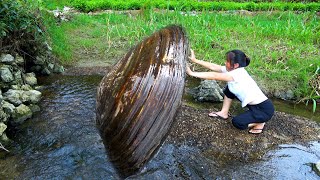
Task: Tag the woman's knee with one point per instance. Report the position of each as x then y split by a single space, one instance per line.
239 124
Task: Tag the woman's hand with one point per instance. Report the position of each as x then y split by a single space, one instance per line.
192 57
188 70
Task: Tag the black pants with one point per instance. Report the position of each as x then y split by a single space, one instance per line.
258 113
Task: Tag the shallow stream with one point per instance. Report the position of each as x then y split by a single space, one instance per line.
61 142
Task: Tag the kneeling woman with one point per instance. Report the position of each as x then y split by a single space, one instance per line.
241 86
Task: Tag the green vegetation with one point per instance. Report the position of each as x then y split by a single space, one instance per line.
20 26
314 95
283 46
189 5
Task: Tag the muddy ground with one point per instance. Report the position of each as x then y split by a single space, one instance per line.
218 138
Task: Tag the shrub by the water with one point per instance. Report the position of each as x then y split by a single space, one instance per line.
20 26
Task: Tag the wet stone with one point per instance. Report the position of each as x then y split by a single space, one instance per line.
22 113
31 96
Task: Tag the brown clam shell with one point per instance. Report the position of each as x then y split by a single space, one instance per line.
138 99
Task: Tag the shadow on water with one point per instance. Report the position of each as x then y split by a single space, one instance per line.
61 142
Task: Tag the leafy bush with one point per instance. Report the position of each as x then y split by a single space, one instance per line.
20 25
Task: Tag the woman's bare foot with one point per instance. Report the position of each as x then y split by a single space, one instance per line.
256 128
219 115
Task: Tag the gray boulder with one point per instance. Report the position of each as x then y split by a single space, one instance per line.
19 60
50 66
22 113
18 77
30 78
285 95
18 97
207 91
13 96
7 59
58 69
26 87
6 74
8 108
31 96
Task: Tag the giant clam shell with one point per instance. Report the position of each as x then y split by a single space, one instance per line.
138 99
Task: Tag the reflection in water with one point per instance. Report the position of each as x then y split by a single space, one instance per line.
61 142
298 109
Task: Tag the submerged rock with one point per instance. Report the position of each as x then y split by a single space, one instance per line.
138 99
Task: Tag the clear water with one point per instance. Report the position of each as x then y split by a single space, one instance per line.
61 142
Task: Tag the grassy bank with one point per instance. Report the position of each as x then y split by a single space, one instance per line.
283 45
189 5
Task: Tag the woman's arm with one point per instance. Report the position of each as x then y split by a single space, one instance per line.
209 75
211 66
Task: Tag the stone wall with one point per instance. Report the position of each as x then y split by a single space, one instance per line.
19 90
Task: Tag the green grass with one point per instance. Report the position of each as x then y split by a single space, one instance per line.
54 4
283 46
58 38
188 5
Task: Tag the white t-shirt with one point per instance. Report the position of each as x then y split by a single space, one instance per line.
244 87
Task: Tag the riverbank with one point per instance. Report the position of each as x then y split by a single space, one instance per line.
283 46
218 137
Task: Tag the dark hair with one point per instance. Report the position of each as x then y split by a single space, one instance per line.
237 56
